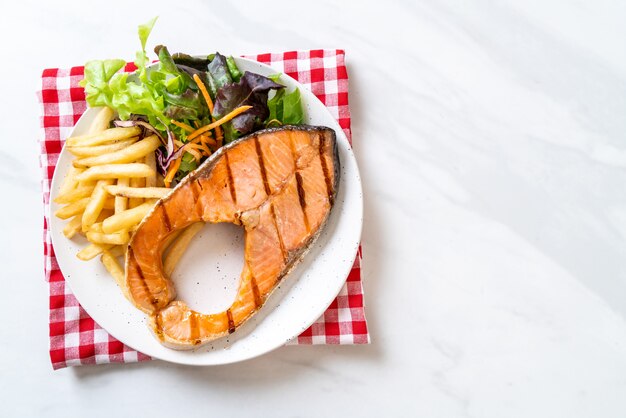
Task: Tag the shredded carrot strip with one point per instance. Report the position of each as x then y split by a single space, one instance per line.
207 98
178 143
204 91
171 172
209 140
219 122
204 148
193 152
201 147
182 125
194 145
219 134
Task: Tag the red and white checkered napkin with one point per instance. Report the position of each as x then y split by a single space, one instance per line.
75 338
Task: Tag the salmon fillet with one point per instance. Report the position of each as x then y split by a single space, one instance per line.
279 184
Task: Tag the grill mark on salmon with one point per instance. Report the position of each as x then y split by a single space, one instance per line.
165 218
292 148
194 190
231 323
259 154
258 301
327 180
302 199
280 238
279 180
142 279
230 182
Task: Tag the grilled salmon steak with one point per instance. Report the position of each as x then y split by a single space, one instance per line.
279 184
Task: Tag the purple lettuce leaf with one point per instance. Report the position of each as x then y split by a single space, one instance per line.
218 69
167 155
252 90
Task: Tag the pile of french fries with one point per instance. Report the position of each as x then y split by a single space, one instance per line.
110 187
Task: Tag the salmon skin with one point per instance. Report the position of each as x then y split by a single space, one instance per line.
280 184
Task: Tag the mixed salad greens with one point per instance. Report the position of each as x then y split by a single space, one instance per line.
194 104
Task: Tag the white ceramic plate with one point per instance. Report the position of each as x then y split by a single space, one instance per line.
208 273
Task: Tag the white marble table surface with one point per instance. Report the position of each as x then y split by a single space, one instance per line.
491 137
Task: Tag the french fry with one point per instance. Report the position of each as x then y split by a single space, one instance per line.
108 136
70 182
72 209
117 238
113 171
127 219
121 202
72 227
128 154
95 205
110 187
74 194
136 182
92 151
105 213
141 192
170 239
114 268
151 181
118 251
87 183
102 120
109 204
91 251
178 247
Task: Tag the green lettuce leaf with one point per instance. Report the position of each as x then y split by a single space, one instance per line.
141 58
176 81
275 77
285 109
187 164
96 82
275 106
292 108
